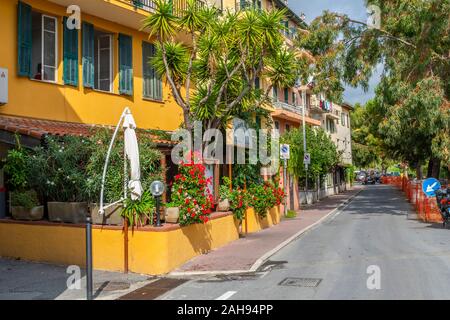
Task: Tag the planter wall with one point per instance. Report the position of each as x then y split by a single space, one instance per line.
152 251
22 213
69 212
254 223
112 215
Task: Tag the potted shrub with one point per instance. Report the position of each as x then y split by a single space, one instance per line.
25 204
139 212
58 173
150 171
237 199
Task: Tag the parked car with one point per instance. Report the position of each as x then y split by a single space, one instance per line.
361 177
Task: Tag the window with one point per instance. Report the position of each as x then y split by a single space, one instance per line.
277 125
294 99
343 119
330 125
287 127
348 120
41 53
152 85
286 95
275 93
257 83
125 64
103 61
70 55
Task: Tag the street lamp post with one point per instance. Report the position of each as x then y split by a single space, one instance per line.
304 142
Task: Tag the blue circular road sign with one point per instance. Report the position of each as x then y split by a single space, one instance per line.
430 186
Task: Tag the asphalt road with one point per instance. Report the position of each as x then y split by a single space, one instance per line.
369 250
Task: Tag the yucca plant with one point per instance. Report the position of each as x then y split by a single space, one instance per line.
135 211
213 77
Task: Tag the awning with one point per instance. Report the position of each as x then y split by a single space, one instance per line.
38 128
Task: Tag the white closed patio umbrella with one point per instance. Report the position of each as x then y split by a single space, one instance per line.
131 154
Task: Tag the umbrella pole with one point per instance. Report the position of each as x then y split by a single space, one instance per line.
125 238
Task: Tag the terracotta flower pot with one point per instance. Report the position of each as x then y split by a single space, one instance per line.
69 212
172 215
22 213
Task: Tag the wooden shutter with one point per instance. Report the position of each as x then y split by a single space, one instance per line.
125 64
70 55
152 81
24 41
88 55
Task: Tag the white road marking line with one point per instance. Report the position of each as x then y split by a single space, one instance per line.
227 295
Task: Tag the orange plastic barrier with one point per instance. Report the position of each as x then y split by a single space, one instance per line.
425 207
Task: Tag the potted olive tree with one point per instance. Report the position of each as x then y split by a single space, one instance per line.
25 204
59 173
150 171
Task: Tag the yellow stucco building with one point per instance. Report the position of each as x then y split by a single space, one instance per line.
47 64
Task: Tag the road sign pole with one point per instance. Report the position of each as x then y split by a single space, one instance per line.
285 184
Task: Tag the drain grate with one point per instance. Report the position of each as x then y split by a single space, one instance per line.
300 282
111 286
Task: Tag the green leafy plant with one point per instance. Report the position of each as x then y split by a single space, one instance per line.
324 154
134 211
15 167
291 214
262 198
149 158
27 199
57 169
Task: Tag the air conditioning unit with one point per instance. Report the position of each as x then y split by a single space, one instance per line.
3 86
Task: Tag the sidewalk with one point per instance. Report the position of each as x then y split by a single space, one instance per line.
249 253
24 280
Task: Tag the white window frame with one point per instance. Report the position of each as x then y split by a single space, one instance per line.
43 16
111 62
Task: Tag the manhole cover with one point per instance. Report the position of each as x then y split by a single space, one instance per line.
300 282
112 286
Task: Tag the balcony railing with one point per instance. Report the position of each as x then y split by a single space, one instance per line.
178 5
288 107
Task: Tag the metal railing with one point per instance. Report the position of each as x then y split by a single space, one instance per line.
178 5
288 107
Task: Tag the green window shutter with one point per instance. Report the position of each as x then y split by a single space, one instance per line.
24 41
88 55
257 83
152 81
70 55
286 95
125 65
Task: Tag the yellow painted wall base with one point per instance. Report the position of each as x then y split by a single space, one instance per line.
255 223
150 252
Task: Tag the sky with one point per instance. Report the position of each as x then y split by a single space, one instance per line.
355 9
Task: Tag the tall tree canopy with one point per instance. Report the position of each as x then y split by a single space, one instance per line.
214 74
411 109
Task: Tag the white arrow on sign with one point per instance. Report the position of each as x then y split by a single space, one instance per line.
431 187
